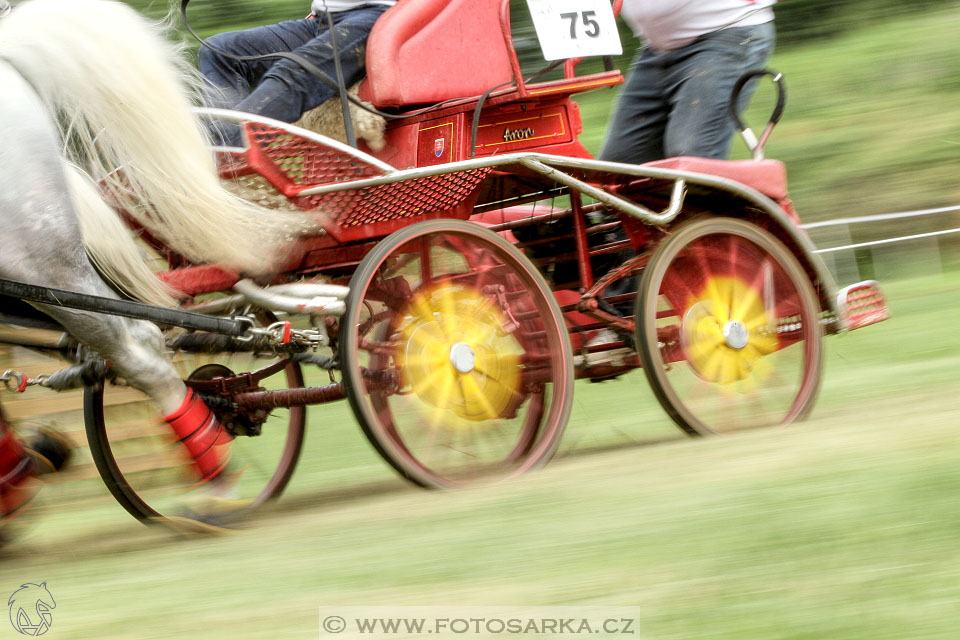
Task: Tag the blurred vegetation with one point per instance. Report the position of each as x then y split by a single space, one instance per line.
798 21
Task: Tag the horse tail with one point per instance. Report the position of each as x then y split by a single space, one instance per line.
121 91
110 245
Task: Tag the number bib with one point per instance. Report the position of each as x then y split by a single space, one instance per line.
575 28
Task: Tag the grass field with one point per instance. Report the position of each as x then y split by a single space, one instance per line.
844 526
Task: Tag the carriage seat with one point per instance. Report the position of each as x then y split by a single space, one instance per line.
769 177
427 51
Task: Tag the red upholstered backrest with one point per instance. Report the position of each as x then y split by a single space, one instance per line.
425 51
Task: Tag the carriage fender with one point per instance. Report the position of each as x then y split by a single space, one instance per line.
780 219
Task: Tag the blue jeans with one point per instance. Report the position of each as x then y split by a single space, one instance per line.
278 88
675 103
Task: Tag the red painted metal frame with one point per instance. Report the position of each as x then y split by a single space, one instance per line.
550 122
535 117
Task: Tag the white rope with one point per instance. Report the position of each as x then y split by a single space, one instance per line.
887 241
879 218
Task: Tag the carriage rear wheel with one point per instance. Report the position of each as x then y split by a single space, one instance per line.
727 327
151 476
455 357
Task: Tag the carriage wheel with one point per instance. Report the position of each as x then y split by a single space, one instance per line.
455 358
727 326
152 477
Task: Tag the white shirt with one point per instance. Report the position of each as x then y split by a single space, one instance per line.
346 5
671 24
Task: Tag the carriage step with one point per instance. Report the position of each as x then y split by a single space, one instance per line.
862 304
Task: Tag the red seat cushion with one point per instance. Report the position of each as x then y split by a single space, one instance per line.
425 51
769 177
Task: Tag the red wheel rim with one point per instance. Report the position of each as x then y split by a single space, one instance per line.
463 361
732 330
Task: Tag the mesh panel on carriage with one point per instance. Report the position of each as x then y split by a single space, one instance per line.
291 164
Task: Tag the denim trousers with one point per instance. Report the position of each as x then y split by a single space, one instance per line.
279 88
676 103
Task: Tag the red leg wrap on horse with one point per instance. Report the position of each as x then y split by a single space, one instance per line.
204 437
16 468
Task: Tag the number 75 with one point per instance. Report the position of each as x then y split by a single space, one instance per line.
592 27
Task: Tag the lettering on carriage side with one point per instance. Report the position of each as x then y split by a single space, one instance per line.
30 609
511 135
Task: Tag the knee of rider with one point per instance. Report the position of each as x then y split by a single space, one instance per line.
296 87
206 55
208 63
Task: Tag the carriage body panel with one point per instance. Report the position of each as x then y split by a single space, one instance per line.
503 152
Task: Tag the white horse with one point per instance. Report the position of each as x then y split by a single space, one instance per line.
95 102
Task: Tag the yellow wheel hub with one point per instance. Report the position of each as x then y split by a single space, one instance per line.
727 329
455 355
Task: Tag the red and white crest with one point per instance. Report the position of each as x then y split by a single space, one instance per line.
438 146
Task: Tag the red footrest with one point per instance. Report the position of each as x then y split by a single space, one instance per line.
862 304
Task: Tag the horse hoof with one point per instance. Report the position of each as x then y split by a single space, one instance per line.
51 451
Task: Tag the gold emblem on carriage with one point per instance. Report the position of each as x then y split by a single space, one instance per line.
512 135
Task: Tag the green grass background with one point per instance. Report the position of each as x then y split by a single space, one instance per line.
844 526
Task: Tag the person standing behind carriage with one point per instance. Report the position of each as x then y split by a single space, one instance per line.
676 96
675 100
280 88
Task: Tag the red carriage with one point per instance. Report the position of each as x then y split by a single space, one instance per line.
453 285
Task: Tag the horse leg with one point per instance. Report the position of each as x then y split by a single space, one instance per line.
46 451
135 349
42 246
15 472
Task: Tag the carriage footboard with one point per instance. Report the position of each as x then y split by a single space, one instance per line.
862 304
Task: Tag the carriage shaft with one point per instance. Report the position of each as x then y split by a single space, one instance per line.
286 398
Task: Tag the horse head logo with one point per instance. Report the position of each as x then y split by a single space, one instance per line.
30 609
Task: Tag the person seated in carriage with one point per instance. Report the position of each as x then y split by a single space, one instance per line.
282 89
